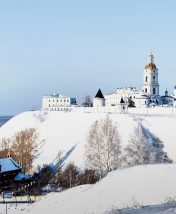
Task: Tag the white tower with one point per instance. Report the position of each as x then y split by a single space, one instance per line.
150 82
99 100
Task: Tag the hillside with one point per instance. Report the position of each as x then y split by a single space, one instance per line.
148 185
140 185
62 130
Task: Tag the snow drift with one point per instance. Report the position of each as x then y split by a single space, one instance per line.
140 185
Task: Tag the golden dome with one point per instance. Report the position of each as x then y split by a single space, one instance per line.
150 65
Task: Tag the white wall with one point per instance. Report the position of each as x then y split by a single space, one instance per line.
98 102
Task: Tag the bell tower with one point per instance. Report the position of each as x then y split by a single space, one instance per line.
150 82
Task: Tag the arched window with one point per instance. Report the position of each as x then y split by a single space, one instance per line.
146 78
145 90
153 78
154 90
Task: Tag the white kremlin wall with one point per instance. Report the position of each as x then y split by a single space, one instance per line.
119 110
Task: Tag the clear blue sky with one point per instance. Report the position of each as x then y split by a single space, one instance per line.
75 47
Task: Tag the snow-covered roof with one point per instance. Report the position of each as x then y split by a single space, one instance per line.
8 164
125 90
56 95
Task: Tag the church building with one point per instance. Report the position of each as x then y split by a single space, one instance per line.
148 96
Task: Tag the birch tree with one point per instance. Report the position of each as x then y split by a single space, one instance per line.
137 152
103 150
144 148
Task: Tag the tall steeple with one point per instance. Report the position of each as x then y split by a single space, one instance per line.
150 82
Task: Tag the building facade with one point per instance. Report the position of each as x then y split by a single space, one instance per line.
58 102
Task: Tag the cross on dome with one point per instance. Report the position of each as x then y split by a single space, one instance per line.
151 57
150 63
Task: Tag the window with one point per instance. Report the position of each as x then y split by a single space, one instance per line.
153 78
154 90
145 90
146 78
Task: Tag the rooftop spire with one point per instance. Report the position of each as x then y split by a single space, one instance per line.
151 58
99 94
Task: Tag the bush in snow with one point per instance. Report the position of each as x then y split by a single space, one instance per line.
102 150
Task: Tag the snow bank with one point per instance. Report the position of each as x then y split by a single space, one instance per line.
144 185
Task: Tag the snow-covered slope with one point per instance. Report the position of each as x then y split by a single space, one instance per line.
62 130
143 185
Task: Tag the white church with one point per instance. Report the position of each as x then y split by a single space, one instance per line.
131 97
121 98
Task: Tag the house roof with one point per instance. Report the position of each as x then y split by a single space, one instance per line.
8 164
21 177
99 94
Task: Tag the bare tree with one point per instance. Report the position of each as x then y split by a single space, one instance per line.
69 177
88 176
5 144
144 148
24 147
138 148
102 150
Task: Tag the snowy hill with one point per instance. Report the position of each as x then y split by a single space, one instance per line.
62 130
141 185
